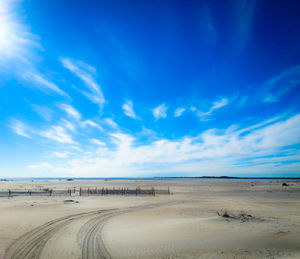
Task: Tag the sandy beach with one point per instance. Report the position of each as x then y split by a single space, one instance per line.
199 219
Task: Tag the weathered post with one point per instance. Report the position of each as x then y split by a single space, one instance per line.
50 192
80 191
9 193
169 190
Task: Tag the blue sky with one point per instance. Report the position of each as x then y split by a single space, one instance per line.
149 88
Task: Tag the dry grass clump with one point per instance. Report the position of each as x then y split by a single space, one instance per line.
224 214
242 216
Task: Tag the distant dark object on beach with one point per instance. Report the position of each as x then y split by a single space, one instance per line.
285 184
70 179
67 201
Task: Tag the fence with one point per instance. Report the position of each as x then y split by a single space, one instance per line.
86 192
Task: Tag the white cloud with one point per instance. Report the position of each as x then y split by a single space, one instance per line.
59 134
20 128
97 142
43 111
160 111
251 150
16 40
178 112
128 110
68 125
281 84
86 73
42 165
216 105
42 83
92 124
20 48
147 132
71 111
61 154
110 122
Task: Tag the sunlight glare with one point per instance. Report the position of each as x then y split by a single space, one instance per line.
9 30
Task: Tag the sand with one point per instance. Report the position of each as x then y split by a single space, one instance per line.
263 222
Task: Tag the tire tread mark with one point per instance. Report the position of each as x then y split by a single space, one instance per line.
31 244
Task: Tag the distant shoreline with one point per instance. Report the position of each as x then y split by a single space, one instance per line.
155 178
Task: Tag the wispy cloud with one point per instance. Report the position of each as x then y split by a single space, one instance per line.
43 111
281 84
42 83
70 110
207 26
160 111
98 142
244 19
61 154
20 128
178 112
86 73
42 165
110 122
216 105
68 125
59 134
128 110
16 40
92 124
213 152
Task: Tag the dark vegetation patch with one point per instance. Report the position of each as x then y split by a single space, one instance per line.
242 216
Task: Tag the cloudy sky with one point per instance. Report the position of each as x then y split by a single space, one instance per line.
149 88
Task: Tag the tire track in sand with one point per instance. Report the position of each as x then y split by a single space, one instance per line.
90 234
31 244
